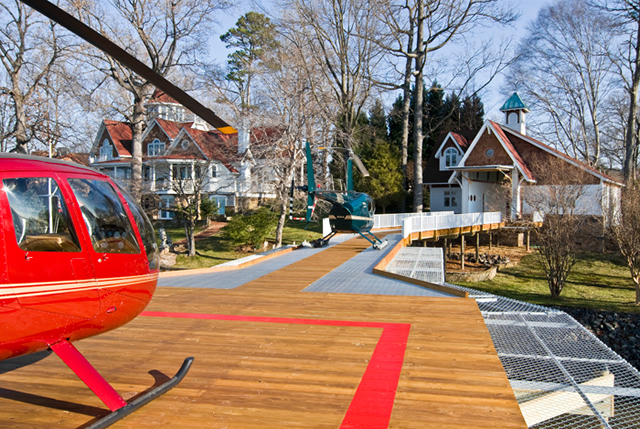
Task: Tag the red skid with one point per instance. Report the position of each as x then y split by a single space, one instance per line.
88 374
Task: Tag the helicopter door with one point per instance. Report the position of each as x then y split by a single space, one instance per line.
46 265
115 253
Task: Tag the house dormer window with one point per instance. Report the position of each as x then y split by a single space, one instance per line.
106 153
449 158
155 148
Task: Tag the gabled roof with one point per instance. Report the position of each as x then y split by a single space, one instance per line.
513 153
216 146
514 103
121 136
170 128
564 156
462 140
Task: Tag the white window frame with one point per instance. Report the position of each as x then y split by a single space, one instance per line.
166 202
449 158
155 148
106 151
450 199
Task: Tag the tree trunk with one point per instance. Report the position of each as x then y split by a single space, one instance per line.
20 133
631 141
417 122
406 107
137 128
282 219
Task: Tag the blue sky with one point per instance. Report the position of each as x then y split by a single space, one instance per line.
492 96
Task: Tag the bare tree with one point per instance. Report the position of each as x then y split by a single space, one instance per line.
296 117
30 47
625 229
562 197
345 60
564 69
190 183
626 59
165 34
414 31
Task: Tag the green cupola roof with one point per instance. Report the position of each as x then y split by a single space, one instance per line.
514 103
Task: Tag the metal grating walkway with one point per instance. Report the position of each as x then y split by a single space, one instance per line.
562 375
355 276
422 263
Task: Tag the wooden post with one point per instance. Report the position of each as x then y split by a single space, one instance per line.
462 251
446 249
490 240
424 243
528 236
477 246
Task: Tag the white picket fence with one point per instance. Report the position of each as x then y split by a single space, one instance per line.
434 223
415 222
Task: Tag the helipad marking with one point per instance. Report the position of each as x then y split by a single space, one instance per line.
372 403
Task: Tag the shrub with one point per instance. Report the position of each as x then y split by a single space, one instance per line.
251 230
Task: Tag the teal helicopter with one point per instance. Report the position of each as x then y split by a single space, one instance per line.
350 212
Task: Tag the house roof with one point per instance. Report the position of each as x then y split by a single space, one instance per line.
519 162
160 96
171 128
121 136
514 103
432 167
216 146
510 140
564 156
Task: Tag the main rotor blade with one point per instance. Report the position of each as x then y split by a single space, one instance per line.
107 46
360 165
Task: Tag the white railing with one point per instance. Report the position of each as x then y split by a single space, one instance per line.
391 220
395 220
434 223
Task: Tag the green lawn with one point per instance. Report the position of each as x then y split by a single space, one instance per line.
216 250
597 281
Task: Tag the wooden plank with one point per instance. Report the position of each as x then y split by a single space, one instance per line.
251 374
428 285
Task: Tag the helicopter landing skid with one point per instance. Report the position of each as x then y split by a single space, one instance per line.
320 242
376 242
103 390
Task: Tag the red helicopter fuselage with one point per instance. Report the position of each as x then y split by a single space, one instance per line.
77 256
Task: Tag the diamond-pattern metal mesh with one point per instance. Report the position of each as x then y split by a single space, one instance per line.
561 374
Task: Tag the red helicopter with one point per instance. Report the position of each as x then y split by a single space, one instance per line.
78 256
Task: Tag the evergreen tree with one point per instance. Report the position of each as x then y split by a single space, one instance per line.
471 113
253 35
384 183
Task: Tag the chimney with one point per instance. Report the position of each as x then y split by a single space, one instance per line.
244 136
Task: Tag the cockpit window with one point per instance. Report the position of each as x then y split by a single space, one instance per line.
104 215
146 230
40 217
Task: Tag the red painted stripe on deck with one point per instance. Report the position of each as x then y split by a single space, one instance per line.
372 403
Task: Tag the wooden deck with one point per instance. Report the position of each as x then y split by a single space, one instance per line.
270 356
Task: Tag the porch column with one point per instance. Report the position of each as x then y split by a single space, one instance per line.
477 246
515 193
462 251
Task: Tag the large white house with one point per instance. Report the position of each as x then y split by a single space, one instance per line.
500 168
175 149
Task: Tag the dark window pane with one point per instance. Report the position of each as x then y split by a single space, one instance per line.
104 214
40 217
